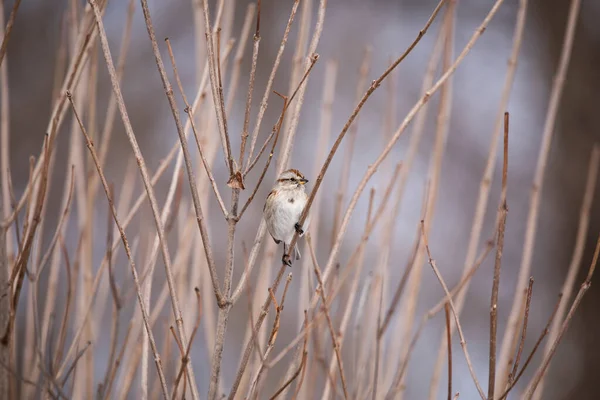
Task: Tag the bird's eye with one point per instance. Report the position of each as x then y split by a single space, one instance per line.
293 179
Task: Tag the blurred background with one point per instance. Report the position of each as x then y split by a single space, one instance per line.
385 27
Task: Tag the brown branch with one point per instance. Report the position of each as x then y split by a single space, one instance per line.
510 332
463 342
334 338
255 47
535 347
113 371
116 302
75 361
374 85
275 131
582 290
512 375
293 377
185 357
192 181
313 60
217 89
63 218
449 337
263 103
188 110
304 352
476 35
502 211
113 210
62 336
377 340
20 267
575 263
272 336
399 289
8 30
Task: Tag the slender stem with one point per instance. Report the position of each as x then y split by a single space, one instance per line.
188 110
535 347
523 330
463 342
334 337
510 332
263 103
255 47
574 266
217 88
8 30
502 211
142 166
113 210
449 338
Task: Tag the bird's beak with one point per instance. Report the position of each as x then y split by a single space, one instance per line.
303 181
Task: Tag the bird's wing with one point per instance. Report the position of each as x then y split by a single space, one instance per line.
272 194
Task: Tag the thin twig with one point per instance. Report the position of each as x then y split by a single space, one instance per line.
185 359
372 169
334 338
510 332
113 210
272 336
299 385
463 342
574 266
263 103
582 290
8 30
238 60
533 351
20 266
487 177
294 376
63 218
188 110
523 331
217 89
74 364
313 60
449 336
377 341
146 179
502 211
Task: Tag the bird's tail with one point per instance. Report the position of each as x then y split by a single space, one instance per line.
297 252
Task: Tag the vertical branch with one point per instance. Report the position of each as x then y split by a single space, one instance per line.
8 30
334 336
352 134
487 177
510 332
449 339
565 324
113 210
144 172
463 342
502 212
238 61
582 233
217 88
4 310
263 104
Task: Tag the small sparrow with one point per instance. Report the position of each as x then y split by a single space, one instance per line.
283 208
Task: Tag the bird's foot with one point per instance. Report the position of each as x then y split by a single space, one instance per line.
286 260
299 229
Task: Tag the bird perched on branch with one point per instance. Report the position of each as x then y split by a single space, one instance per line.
283 208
